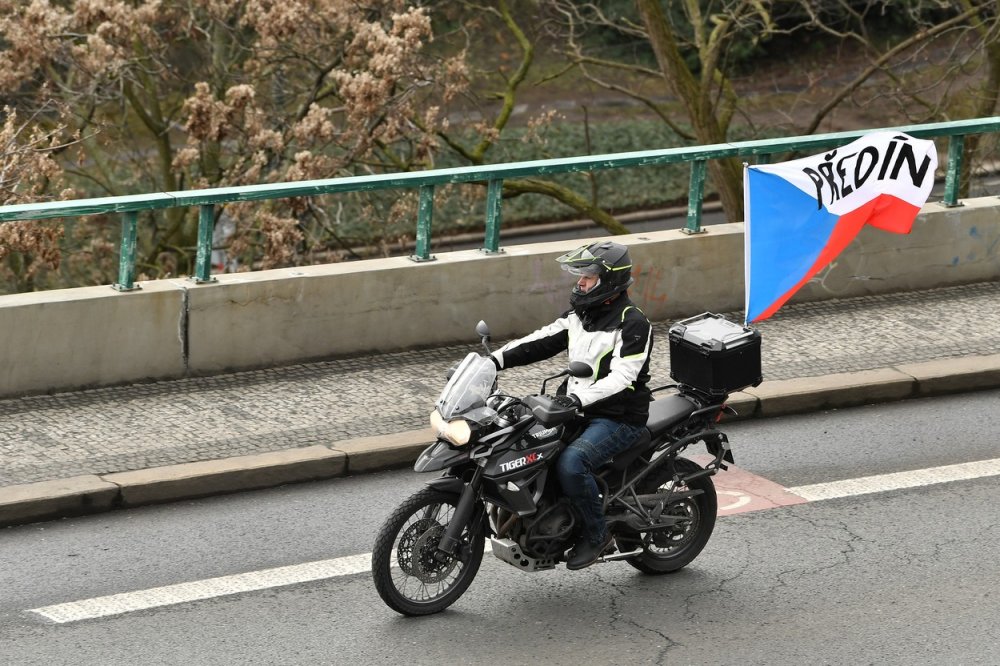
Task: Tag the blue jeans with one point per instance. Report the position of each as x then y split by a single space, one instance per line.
598 444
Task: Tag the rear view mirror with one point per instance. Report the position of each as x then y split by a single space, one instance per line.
484 334
580 369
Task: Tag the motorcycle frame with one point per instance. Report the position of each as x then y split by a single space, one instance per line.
471 492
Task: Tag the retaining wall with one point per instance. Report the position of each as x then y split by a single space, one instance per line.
95 336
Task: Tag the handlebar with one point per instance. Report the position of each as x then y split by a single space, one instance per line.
549 412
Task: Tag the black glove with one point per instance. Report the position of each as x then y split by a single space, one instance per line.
568 401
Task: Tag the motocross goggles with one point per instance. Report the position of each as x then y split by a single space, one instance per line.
582 262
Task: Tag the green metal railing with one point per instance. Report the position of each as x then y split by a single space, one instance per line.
492 175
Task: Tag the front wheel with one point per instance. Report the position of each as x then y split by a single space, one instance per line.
408 576
670 550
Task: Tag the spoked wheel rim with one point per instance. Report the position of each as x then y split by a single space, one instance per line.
673 549
406 570
418 575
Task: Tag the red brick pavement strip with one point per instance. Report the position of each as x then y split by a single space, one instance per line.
749 492
740 491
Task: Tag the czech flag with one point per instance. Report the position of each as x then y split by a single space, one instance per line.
801 214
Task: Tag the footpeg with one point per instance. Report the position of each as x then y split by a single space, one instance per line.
620 556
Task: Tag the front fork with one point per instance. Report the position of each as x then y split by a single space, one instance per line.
467 501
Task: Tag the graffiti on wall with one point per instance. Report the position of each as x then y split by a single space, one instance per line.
650 284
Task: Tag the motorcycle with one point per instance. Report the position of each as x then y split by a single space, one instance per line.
496 452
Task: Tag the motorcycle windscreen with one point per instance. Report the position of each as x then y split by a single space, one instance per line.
469 387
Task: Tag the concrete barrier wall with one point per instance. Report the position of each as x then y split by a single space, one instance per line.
283 316
73 338
93 336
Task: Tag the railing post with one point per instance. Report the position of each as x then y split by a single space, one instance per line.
493 216
953 174
425 215
126 255
696 194
203 260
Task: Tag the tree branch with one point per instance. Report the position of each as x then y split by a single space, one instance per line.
567 196
886 57
528 54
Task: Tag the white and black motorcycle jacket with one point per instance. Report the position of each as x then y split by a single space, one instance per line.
614 339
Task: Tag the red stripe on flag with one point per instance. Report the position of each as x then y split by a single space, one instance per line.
884 212
893 214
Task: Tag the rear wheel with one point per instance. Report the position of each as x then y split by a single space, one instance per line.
407 572
669 550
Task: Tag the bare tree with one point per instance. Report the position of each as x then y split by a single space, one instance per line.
692 43
702 88
494 107
177 94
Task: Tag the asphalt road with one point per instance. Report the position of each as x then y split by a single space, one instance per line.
900 577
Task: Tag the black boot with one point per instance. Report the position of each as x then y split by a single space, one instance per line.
586 553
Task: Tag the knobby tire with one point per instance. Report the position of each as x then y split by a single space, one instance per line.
406 576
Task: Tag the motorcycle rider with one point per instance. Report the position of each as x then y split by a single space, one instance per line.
604 329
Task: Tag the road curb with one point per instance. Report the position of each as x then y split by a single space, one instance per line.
86 494
46 500
372 454
952 375
227 475
848 389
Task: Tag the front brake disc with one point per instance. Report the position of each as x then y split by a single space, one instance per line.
407 543
425 566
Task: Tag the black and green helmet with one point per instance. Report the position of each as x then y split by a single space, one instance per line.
606 260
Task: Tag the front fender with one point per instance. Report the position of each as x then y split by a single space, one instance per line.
440 455
448 484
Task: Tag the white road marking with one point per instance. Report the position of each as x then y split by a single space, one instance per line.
128 602
742 499
898 480
169 595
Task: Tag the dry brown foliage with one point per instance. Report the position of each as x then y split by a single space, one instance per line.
197 93
27 172
165 95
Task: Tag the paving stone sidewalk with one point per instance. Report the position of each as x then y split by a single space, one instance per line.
141 426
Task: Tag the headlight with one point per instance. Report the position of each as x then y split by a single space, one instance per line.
458 431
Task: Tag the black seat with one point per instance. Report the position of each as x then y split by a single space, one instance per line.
663 414
668 412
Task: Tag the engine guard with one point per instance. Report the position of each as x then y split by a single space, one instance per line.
510 552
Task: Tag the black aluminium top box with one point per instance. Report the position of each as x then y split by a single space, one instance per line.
714 355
